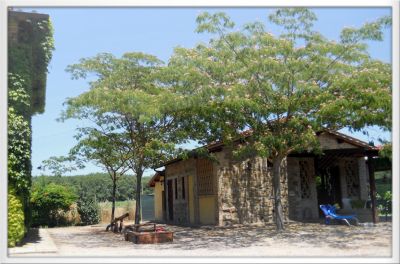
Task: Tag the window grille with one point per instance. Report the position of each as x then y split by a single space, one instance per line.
305 179
352 179
205 177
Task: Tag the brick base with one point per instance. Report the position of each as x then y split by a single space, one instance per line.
149 237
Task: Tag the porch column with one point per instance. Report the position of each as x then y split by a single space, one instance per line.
372 188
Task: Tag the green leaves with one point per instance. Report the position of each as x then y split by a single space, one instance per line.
369 31
17 96
296 21
60 165
281 91
133 113
29 58
48 200
249 79
15 213
213 23
19 153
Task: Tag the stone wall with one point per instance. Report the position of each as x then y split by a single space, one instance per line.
245 189
354 178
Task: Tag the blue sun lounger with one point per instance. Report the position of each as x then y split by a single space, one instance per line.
330 213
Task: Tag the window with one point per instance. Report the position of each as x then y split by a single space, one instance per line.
176 188
304 179
183 188
205 176
352 179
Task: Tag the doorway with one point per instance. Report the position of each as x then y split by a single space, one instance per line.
170 200
328 186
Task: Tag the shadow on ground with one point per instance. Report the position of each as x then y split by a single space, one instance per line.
187 238
32 236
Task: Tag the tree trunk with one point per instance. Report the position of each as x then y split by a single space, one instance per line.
113 201
278 214
138 212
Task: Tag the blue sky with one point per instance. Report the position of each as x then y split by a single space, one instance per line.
84 32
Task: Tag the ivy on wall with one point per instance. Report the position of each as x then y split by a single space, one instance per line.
28 58
16 228
19 136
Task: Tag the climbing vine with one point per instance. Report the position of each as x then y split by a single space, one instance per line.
28 57
19 134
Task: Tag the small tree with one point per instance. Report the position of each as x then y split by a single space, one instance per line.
88 208
284 89
103 146
129 91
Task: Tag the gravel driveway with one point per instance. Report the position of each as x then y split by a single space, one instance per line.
310 239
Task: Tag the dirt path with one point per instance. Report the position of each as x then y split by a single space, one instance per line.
297 240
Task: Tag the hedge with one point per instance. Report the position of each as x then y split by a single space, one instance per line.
16 226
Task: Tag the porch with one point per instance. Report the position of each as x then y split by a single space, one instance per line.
338 177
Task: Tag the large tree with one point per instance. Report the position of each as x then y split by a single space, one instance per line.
282 88
138 106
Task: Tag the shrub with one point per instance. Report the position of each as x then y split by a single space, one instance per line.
48 201
88 210
385 203
16 227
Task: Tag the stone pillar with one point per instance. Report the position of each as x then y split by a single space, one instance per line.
363 178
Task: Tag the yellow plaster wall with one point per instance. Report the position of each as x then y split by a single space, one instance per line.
158 213
207 209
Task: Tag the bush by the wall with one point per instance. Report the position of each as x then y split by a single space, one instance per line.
16 227
47 203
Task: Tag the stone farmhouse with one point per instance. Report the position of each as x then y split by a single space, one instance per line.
226 191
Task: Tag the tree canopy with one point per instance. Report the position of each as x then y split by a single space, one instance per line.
283 89
133 104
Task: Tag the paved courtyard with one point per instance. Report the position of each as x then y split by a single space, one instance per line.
251 241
